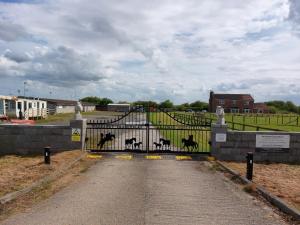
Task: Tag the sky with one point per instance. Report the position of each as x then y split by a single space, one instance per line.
150 50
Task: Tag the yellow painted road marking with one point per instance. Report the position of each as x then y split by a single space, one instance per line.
183 157
92 156
153 157
210 158
125 157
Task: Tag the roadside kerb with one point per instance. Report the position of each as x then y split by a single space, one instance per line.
279 203
13 195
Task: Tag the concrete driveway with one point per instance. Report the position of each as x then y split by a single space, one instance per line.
140 191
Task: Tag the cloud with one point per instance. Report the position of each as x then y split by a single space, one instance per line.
130 50
17 57
10 31
61 67
294 14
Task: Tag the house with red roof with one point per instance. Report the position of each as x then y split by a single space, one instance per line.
232 103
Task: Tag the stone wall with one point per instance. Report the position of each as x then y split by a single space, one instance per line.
26 139
238 143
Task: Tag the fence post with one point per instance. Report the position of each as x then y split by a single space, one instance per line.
47 153
249 158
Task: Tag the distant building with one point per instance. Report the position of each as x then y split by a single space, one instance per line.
22 107
88 106
232 103
261 107
115 107
56 106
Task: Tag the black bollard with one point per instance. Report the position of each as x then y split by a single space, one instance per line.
249 165
47 153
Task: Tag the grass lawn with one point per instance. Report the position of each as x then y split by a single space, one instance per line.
61 117
17 172
280 122
66 117
175 131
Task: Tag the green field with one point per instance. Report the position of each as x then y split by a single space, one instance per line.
66 117
176 131
253 122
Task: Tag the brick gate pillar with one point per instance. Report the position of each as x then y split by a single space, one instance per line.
79 125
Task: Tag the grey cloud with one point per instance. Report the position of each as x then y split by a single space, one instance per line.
294 15
64 67
16 56
243 84
61 67
10 31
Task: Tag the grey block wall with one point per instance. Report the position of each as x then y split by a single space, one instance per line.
238 143
26 139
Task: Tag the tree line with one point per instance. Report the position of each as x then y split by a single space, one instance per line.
282 107
274 106
197 105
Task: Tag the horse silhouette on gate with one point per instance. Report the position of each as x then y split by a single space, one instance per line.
157 145
104 139
187 143
165 142
129 143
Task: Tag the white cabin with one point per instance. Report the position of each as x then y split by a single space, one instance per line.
25 107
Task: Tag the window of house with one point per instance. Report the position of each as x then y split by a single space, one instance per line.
43 106
30 105
234 102
1 107
246 110
234 110
11 105
38 105
221 101
246 102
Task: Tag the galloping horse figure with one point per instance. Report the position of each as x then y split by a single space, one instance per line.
129 142
103 140
189 143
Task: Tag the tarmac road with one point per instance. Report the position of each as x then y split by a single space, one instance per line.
151 192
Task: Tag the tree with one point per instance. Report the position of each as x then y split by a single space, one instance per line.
166 104
105 101
97 100
199 105
281 106
145 104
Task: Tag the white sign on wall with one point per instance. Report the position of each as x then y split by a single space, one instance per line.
272 141
221 137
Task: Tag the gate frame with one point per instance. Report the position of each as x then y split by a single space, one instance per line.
146 127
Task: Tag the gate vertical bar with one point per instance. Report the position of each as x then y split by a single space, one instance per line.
147 126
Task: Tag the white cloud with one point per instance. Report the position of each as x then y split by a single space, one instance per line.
133 49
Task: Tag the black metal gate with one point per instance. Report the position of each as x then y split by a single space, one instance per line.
149 130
